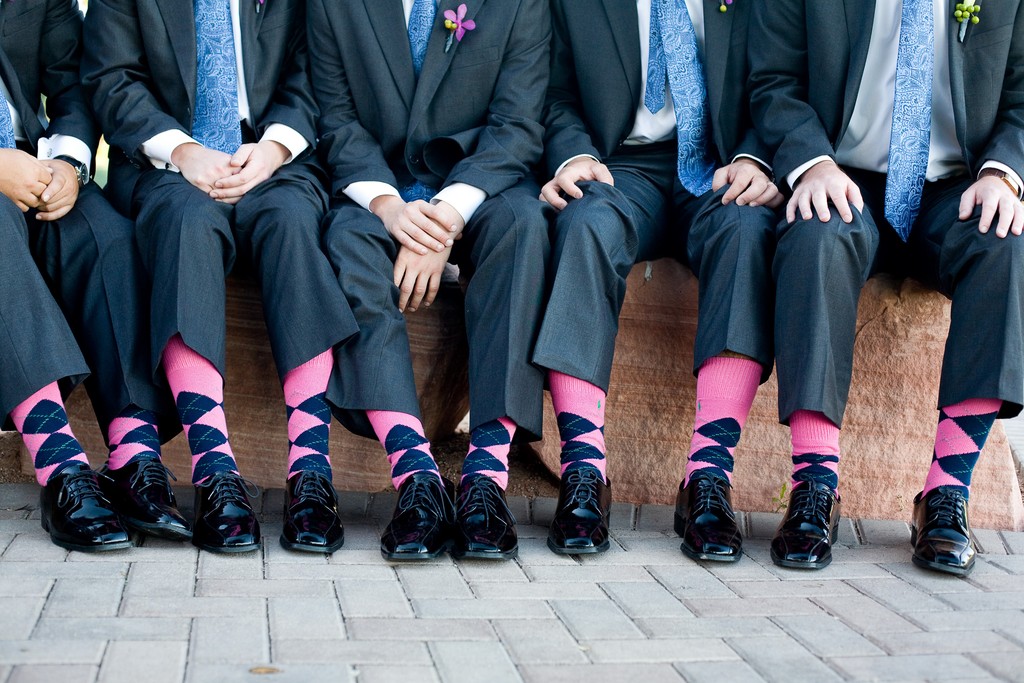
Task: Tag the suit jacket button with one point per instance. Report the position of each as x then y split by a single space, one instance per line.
414 160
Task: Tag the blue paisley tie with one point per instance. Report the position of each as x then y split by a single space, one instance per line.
911 116
421 21
657 71
216 123
6 125
679 53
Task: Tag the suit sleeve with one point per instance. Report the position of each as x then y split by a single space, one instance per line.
351 153
511 142
1006 144
293 104
60 55
784 119
117 80
566 133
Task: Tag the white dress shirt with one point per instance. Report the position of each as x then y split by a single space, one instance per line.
53 146
866 142
159 147
462 197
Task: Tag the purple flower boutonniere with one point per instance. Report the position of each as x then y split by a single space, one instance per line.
457 25
966 14
259 5
723 5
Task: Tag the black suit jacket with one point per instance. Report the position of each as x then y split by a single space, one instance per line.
807 71
40 49
596 80
473 117
139 71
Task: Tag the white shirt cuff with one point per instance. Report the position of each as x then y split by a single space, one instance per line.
64 145
572 159
794 176
764 164
365 191
464 198
288 137
1005 169
158 148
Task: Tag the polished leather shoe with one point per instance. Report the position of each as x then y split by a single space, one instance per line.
311 519
808 530
142 495
941 533
422 524
485 527
580 526
77 515
225 521
705 519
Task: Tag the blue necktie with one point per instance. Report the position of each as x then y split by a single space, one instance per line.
677 55
657 71
6 125
421 21
911 116
216 123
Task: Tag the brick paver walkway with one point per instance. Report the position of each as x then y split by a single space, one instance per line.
164 612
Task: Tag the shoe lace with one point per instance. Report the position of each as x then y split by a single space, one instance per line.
152 473
946 507
422 490
581 488
79 486
482 497
710 495
811 503
313 486
227 487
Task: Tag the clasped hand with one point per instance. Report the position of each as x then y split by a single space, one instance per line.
49 186
228 177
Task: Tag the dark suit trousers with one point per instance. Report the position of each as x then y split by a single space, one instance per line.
189 242
820 269
648 215
502 254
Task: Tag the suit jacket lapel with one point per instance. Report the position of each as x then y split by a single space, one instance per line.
717 53
623 21
250 22
859 16
437 61
388 20
181 28
956 79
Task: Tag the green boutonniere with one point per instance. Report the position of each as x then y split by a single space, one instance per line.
966 14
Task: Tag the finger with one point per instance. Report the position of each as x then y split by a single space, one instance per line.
421 239
230 200
856 198
968 200
242 155
54 215
419 290
602 174
236 192
791 209
776 201
735 190
568 186
719 180
422 229
753 192
819 198
767 196
804 203
399 271
236 178
405 289
54 188
842 204
1005 217
549 194
1018 219
409 243
441 223
432 286
988 211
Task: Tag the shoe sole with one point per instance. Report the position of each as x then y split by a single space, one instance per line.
416 557
944 568
693 555
157 530
484 555
793 564
306 548
590 550
228 549
102 548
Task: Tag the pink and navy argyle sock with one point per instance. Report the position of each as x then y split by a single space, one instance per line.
132 436
309 416
405 442
815 448
725 392
44 428
579 409
962 432
198 391
489 445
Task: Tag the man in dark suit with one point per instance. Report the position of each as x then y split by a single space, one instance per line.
211 121
901 131
63 241
430 123
652 154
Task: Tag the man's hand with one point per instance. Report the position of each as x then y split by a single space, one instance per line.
418 226
748 184
418 276
202 166
23 178
993 195
61 194
820 183
576 171
251 165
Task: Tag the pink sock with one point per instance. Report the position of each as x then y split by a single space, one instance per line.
132 435
815 448
489 445
405 442
309 416
198 392
44 428
961 434
725 392
579 409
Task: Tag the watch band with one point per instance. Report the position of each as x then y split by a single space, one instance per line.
81 170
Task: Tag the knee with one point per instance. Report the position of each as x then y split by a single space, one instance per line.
804 239
351 237
593 222
12 220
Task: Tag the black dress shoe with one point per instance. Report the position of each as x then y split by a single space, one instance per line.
705 520
580 526
941 533
311 519
485 527
141 494
805 537
421 526
225 521
77 515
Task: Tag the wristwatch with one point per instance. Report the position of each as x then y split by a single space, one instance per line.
81 170
1006 178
